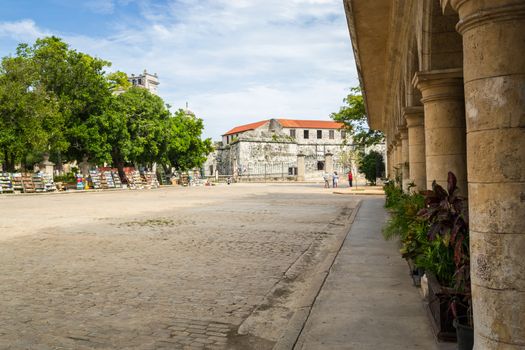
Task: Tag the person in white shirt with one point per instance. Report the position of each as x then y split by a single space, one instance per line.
335 179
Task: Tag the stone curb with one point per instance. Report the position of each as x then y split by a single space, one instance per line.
56 193
297 322
364 193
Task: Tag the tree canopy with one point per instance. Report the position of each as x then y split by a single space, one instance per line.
353 116
54 99
372 165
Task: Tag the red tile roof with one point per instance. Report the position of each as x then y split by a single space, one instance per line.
245 127
289 123
310 124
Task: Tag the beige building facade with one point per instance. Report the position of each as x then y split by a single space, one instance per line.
445 81
274 147
146 81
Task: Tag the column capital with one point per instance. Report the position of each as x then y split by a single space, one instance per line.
414 116
473 13
442 84
397 136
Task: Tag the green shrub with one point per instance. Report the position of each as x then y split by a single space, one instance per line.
67 177
438 258
393 194
404 222
415 241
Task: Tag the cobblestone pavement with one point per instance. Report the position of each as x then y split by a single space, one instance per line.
174 268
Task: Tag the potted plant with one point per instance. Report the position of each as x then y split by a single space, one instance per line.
447 256
464 324
405 225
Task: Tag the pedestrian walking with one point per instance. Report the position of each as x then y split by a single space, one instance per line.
326 179
350 178
335 179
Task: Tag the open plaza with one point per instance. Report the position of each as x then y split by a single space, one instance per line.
164 268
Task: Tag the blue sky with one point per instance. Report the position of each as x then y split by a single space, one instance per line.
233 61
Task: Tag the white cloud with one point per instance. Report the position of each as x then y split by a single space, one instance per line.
234 61
23 30
99 6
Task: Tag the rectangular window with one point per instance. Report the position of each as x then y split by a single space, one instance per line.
331 134
292 133
292 171
306 134
319 134
320 165
343 134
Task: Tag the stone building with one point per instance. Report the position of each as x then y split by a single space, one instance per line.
145 80
271 148
445 80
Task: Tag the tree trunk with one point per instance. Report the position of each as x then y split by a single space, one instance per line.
121 174
9 163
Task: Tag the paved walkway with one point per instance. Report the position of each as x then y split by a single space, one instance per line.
368 301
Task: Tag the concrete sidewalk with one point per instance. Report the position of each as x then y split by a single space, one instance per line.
361 190
368 300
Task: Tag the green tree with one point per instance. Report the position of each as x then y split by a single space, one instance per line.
353 116
53 98
372 165
118 81
184 147
77 81
30 122
132 130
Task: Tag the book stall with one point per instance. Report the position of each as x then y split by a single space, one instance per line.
108 176
116 179
150 180
133 179
26 183
98 179
38 183
94 176
16 180
6 186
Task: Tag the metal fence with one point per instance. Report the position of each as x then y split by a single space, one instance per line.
263 171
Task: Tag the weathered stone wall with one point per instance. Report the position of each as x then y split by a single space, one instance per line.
270 149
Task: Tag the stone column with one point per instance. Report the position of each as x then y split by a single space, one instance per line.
445 139
85 166
399 157
405 179
494 48
394 159
416 146
329 162
389 160
46 166
301 169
